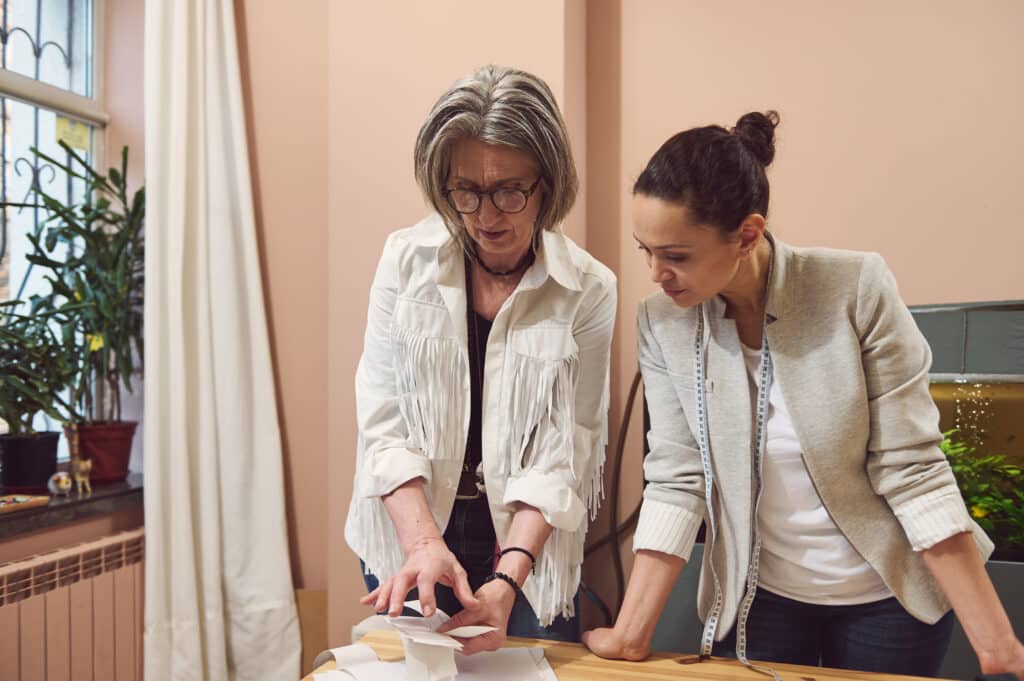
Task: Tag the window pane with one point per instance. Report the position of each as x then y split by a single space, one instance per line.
24 126
49 41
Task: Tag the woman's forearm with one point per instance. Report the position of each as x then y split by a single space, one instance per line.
960 572
529 531
410 513
650 583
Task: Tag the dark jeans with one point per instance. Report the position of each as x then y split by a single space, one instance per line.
470 536
872 637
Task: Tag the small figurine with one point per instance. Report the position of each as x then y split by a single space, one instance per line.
59 484
81 469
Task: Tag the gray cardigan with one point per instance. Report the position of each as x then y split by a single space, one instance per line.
853 370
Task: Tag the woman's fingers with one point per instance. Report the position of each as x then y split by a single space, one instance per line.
428 602
370 597
383 595
462 619
492 640
463 591
399 590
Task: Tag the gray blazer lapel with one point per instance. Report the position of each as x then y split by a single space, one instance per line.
729 414
796 333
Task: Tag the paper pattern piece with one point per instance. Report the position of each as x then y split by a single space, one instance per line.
430 656
345 656
508 664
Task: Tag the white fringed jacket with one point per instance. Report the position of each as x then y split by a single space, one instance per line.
545 399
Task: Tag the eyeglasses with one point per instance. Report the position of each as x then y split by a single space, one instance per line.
505 199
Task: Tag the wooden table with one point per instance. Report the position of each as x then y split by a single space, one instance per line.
573 662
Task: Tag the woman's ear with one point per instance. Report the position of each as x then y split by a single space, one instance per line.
751 232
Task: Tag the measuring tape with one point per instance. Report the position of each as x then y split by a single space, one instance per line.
757 449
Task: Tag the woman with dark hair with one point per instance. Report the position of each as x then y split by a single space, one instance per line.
482 391
790 411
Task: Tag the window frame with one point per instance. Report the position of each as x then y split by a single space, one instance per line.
89 110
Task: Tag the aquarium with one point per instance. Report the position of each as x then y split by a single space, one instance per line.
977 382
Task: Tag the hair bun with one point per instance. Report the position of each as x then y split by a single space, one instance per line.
757 132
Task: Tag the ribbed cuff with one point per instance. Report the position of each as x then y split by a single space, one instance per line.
932 517
666 528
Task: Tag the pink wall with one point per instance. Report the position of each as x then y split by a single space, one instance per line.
284 71
898 130
69 534
122 85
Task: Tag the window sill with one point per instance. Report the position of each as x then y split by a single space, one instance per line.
106 498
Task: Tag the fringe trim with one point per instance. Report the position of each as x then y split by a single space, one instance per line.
593 481
382 554
542 426
434 426
542 421
554 586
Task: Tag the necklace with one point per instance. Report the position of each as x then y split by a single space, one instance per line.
523 263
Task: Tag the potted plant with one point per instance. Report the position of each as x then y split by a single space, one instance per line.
34 373
92 252
991 488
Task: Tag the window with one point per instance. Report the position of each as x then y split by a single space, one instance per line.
49 91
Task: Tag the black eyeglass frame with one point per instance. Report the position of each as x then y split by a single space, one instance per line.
527 193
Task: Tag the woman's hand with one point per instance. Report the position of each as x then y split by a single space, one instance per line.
496 599
609 643
1004 658
429 562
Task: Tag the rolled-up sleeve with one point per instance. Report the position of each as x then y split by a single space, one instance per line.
905 464
388 460
673 504
561 484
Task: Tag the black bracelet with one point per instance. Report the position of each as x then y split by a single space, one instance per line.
511 549
505 578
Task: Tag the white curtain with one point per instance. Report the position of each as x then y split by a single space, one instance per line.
219 599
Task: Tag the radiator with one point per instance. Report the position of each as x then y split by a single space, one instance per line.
74 614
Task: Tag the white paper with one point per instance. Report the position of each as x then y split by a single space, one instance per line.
470 631
374 671
430 655
507 664
425 662
344 656
437 619
419 630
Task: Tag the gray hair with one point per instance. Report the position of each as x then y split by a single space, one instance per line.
497 105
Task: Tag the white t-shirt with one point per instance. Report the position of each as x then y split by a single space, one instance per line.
804 555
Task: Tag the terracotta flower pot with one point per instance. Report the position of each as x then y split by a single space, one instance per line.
108 444
28 461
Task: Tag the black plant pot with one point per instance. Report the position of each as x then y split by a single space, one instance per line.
28 461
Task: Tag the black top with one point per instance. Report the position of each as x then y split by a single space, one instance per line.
477 355
477 331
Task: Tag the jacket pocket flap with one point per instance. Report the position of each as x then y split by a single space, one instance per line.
551 341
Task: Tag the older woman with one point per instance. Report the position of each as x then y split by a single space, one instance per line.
788 390
482 391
